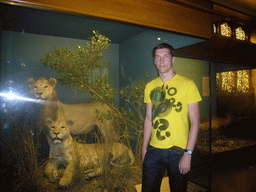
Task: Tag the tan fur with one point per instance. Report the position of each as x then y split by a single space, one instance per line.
82 114
216 122
76 156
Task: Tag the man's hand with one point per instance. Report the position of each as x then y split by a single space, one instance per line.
185 163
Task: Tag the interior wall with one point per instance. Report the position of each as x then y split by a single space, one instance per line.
21 54
198 70
136 53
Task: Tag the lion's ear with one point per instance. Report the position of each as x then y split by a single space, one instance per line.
52 81
70 122
30 81
48 121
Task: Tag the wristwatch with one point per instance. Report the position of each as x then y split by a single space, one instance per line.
188 151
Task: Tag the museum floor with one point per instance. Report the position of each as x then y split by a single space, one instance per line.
241 179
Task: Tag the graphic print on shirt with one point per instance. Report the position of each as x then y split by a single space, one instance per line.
162 107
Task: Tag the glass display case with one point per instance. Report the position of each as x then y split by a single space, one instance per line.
39 43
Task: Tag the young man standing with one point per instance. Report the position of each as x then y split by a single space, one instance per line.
168 143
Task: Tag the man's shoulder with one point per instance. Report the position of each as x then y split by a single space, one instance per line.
184 78
154 81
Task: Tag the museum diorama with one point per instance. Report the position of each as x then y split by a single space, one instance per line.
72 100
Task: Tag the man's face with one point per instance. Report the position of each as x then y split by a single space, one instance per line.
163 60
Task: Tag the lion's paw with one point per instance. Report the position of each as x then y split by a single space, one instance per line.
91 173
65 181
52 175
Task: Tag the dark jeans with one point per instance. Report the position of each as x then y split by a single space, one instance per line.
156 162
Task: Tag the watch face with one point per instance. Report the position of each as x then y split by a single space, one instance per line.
189 152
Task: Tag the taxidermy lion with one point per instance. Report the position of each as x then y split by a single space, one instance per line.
77 156
82 114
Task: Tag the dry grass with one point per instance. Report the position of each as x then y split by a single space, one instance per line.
31 177
24 147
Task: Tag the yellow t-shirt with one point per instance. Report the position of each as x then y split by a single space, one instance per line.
170 110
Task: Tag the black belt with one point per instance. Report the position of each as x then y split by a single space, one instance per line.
179 149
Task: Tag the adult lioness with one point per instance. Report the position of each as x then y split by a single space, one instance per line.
76 156
82 114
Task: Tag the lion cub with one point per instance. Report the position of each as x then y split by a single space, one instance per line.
73 156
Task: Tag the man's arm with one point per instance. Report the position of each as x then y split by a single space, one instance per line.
194 116
147 129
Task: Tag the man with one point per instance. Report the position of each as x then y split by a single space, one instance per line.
168 143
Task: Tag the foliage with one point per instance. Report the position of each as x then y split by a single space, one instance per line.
77 67
133 110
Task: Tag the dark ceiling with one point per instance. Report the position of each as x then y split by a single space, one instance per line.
29 20
245 6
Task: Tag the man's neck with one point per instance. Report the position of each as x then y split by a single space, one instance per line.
167 76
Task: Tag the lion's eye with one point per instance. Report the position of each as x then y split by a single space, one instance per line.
35 86
46 86
62 126
53 127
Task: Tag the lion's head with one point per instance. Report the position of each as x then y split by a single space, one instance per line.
42 88
58 130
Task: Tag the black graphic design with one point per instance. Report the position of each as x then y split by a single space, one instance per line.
172 91
178 106
161 125
162 107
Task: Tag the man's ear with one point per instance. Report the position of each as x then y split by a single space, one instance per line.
173 59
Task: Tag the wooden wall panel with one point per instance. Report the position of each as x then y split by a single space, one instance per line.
199 51
232 51
221 49
157 14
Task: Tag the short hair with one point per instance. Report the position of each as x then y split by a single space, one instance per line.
161 46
